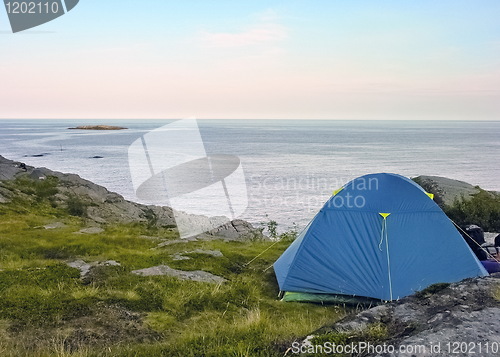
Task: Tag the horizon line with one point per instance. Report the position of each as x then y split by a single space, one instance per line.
301 119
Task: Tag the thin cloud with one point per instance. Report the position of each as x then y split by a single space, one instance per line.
269 15
258 34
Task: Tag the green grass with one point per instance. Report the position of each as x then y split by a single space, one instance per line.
47 310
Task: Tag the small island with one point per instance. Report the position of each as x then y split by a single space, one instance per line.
99 127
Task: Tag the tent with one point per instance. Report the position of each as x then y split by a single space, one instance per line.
381 236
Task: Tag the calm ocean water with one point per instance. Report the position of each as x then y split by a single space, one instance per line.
291 166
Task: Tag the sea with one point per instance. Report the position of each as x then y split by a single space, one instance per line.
290 167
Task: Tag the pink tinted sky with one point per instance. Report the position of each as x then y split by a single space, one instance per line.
259 59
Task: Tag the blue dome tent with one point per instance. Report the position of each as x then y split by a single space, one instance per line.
381 236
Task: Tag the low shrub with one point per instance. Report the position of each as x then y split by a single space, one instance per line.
76 206
482 209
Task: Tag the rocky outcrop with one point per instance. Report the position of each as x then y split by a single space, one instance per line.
102 206
234 230
446 190
462 312
9 169
195 275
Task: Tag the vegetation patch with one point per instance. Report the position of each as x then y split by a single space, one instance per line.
76 206
482 209
47 309
473 206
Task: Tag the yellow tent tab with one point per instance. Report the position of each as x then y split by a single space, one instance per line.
431 195
385 215
337 191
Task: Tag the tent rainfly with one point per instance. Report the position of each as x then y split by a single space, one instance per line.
379 237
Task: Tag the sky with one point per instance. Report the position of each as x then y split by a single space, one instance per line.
254 59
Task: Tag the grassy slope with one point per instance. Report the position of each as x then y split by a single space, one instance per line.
46 309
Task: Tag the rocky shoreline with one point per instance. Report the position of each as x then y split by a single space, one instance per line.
103 207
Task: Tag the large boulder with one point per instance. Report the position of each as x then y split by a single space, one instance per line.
464 312
446 190
9 169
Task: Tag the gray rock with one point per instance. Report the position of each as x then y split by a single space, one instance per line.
175 241
54 225
462 312
111 263
9 169
80 265
182 256
481 326
90 230
178 256
446 190
85 268
234 230
38 174
196 275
